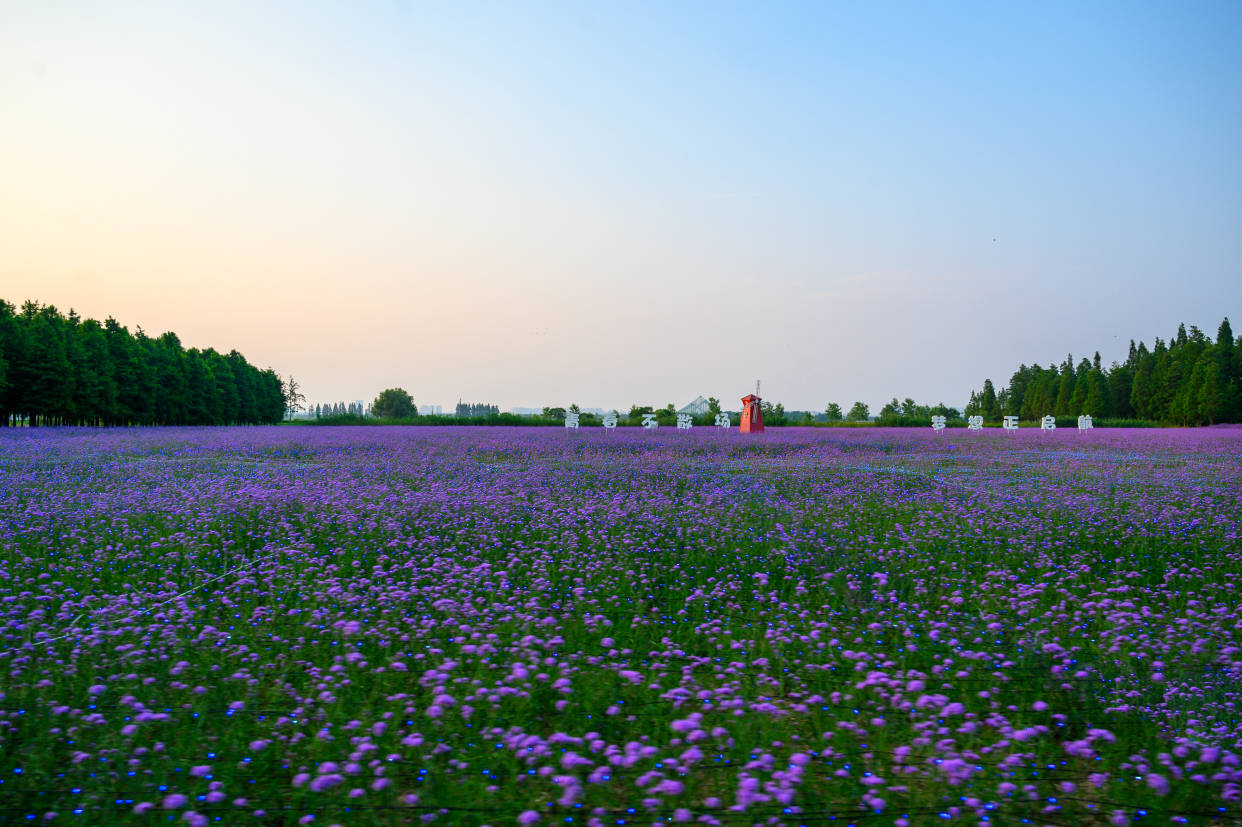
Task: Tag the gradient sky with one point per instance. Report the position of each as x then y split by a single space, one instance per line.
613 203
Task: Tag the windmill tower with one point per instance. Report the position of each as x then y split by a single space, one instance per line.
752 417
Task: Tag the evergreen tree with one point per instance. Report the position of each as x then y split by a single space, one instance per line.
202 390
1209 394
1096 399
1159 393
46 383
1192 379
245 385
987 402
95 386
1017 391
1224 335
1119 379
973 406
10 357
172 395
146 381
1078 399
1065 388
63 370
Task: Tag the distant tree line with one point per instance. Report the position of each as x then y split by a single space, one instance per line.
858 412
1191 380
908 412
476 409
60 369
321 411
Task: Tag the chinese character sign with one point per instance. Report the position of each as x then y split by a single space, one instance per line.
939 422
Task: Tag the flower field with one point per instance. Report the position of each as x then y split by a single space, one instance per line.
361 626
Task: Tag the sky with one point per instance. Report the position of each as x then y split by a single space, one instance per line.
529 203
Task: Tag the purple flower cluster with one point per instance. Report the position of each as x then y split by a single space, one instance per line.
497 625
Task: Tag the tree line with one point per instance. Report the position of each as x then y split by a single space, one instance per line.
61 369
320 411
1190 380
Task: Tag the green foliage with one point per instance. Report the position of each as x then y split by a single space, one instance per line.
859 412
293 396
910 414
773 414
635 416
393 403
59 369
476 409
988 404
833 412
436 419
1191 380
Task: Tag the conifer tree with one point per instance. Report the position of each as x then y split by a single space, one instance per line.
987 402
1192 380
63 370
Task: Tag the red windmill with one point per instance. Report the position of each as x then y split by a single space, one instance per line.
752 417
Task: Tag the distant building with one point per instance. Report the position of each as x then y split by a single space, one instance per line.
696 408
